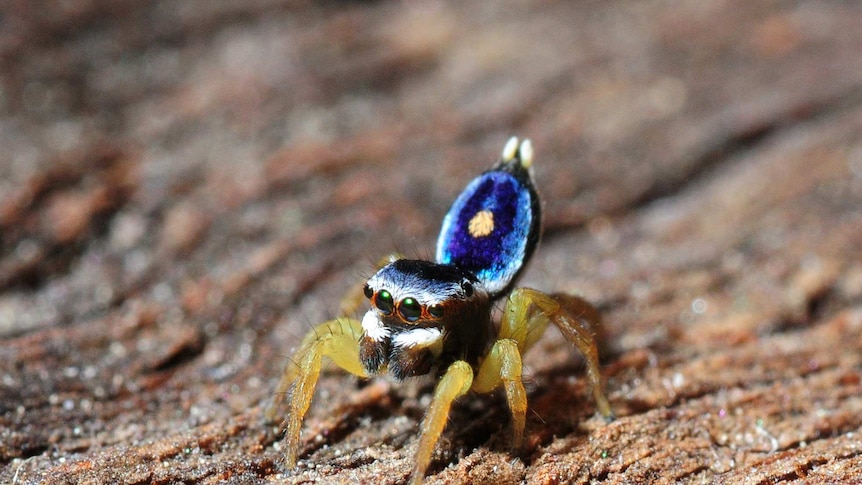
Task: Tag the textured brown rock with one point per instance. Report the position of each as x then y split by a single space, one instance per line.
186 187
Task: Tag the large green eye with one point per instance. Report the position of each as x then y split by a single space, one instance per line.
436 311
410 309
384 302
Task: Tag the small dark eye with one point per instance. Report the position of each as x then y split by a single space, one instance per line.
467 287
436 311
410 309
368 292
384 302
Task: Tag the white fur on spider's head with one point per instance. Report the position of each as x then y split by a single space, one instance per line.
373 327
406 287
428 283
418 337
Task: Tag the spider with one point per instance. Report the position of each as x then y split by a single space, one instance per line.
437 316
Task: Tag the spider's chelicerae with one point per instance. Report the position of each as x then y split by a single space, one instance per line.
437 316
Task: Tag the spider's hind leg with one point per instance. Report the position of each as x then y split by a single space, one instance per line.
528 313
337 340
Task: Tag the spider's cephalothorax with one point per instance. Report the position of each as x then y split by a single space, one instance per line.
437 315
424 314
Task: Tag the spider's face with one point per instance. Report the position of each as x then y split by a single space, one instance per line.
415 304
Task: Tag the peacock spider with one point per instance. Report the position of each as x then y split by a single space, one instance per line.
436 317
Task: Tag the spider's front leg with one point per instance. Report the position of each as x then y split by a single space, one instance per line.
528 313
454 384
337 340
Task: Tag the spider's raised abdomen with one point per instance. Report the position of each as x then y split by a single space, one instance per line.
494 225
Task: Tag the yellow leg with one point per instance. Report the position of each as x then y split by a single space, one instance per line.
528 313
336 339
503 365
454 383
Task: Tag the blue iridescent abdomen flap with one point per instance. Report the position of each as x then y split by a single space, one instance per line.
492 226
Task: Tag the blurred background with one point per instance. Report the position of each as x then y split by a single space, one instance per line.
185 187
